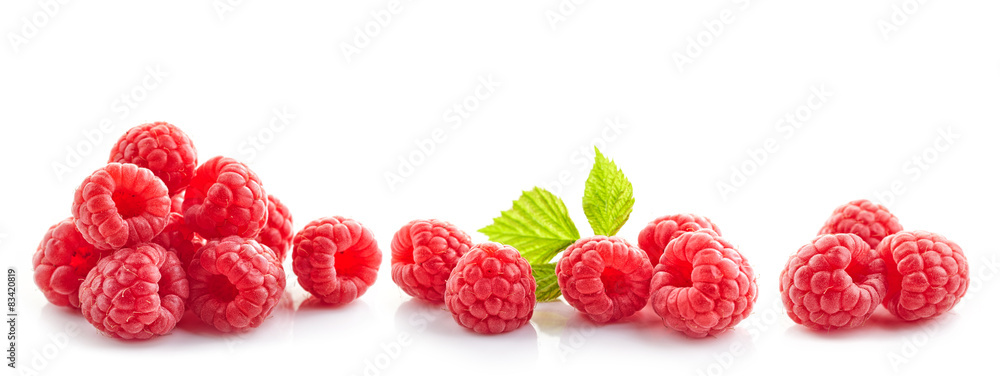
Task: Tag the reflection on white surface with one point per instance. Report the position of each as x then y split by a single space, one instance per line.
435 335
388 333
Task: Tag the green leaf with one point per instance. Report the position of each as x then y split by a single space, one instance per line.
538 225
546 283
607 196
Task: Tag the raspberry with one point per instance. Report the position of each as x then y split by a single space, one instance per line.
658 233
336 259
606 278
120 204
178 238
870 221
423 254
702 286
135 293
225 198
235 283
277 233
177 203
491 290
835 281
61 263
162 148
927 274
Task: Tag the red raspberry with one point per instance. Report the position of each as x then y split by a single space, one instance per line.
235 283
927 274
658 233
178 238
605 278
162 148
702 286
136 293
423 254
870 221
336 259
491 290
120 204
177 203
61 263
835 281
225 198
277 233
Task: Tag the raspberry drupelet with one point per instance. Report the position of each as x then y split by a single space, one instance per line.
277 234
178 238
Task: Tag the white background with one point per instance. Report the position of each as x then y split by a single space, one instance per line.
897 74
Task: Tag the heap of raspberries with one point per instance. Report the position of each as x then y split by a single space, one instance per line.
153 235
701 284
862 258
488 287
